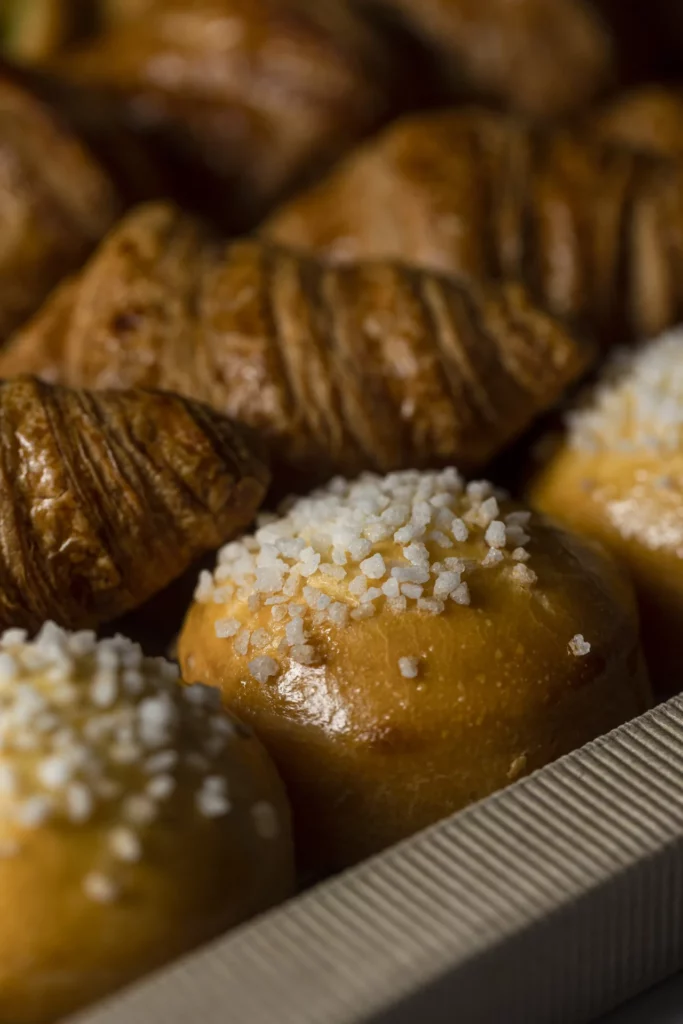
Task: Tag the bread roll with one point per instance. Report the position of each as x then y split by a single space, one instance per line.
406 645
137 819
618 476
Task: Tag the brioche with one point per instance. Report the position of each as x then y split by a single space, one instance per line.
596 232
375 366
649 119
137 819
106 498
617 475
407 645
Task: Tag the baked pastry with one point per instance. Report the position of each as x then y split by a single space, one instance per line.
341 369
137 820
56 202
250 97
649 119
539 57
106 498
595 231
618 476
407 645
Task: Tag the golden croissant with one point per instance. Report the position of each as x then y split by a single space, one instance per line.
596 232
373 366
107 497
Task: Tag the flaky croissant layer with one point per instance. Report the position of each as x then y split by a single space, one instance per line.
596 231
107 497
371 366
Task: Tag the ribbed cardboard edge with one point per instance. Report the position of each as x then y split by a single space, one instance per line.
549 903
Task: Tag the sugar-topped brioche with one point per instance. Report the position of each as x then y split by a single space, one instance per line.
137 819
407 644
618 476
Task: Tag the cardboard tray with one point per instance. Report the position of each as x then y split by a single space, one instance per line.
549 903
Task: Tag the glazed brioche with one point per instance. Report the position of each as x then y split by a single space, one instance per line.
406 645
617 475
341 369
56 202
137 819
106 498
595 232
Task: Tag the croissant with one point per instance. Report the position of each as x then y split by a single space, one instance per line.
56 202
649 119
373 366
539 57
249 97
107 497
595 231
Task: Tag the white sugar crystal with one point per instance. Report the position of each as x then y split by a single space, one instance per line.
409 667
520 518
54 772
339 555
35 811
417 554
139 809
364 611
263 668
446 583
212 800
16 637
431 605
440 538
303 654
397 604
223 594
396 515
204 589
358 586
461 595
371 594
493 557
260 638
478 490
125 845
410 574
374 568
164 761
359 549
406 534
104 689
459 530
227 627
242 642
521 555
338 614
578 646
522 574
278 613
390 588
412 591
295 632
296 610
9 668
254 602
517 537
269 580
265 820
378 532
160 787
496 535
336 572
79 802
100 888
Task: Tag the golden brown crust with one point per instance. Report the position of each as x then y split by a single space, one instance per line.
649 119
370 755
55 203
540 57
106 498
374 366
595 231
251 96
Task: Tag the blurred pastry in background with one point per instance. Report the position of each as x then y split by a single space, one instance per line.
593 230
246 98
339 369
617 475
406 645
542 58
138 820
649 119
56 202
